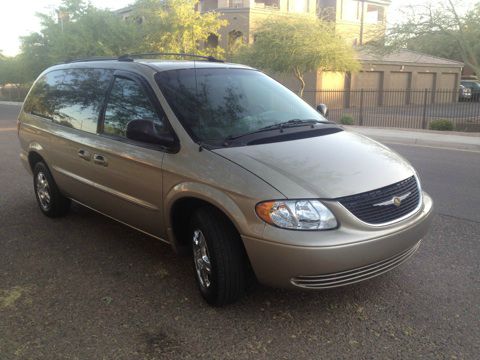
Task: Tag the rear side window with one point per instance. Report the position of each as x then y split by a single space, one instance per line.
128 101
72 98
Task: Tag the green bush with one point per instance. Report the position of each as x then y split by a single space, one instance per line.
442 125
346 120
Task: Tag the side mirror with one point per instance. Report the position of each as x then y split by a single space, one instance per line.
144 131
322 109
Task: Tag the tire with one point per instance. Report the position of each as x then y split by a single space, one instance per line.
50 201
226 280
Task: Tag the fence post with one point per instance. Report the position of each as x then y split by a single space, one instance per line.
424 117
360 120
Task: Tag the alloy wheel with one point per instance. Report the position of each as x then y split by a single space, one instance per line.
43 191
201 259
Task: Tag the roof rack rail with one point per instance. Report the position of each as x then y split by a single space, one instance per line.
93 58
129 57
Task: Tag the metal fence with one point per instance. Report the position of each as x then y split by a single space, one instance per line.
13 93
400 108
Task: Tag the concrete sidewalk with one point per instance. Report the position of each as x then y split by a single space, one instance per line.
16 103
443 139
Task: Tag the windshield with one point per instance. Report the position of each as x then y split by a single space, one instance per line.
472 85
214 104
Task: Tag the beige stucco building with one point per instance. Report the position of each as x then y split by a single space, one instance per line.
358 22
397 78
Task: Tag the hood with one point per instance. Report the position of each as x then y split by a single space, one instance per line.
327 167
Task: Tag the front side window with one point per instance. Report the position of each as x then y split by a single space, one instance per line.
72 98
214 104
128 101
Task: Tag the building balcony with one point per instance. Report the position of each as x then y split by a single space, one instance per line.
263 4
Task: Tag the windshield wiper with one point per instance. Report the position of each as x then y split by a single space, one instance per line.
280 126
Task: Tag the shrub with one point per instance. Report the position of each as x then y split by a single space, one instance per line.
346 120
442 125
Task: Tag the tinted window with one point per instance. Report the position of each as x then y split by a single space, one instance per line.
472 85
72 97
128 101
213 104
41 100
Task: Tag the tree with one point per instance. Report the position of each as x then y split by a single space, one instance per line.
440 29
10 71
436 44
297 45
77 30
176 26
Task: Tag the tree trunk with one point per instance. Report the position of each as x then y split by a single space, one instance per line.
299 76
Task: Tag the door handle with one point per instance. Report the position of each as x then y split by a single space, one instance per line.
84 154
100 159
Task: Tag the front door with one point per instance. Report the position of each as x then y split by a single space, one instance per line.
125 176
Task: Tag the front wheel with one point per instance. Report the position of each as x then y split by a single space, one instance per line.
219 257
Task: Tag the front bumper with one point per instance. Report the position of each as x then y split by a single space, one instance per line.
351 253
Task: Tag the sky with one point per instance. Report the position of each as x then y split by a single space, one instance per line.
17 17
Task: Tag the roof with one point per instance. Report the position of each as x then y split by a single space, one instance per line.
162 65
155 64
124 10
406 57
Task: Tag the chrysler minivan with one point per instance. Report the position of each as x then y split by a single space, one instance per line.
225 164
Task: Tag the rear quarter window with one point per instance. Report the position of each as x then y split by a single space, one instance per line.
71 98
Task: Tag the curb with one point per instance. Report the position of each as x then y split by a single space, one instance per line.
11 103
453 141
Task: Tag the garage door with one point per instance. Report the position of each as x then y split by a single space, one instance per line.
447 82
424 81
397 94
332 85
447 88
371 80
372 83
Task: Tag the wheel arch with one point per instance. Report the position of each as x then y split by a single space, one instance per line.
34 157
184 199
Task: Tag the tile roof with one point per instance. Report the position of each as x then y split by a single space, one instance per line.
405 57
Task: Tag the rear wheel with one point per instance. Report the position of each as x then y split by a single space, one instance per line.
218 256
51 202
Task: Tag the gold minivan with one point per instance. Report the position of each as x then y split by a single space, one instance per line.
224 162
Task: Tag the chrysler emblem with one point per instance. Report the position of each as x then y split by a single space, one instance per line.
396 200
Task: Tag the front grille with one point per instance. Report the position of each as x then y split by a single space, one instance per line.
366 206
352 276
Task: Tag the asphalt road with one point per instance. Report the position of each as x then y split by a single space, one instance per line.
86 287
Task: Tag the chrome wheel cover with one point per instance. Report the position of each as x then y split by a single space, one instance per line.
201 259
43 191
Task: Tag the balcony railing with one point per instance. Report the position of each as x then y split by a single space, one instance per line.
239 3
265 4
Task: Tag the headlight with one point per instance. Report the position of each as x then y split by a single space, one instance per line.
297 214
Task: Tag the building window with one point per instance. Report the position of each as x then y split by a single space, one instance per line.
235 40
297 6
351 10
236 4
212 41
375 14
268 3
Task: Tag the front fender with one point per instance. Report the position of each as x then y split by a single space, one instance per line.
244 223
